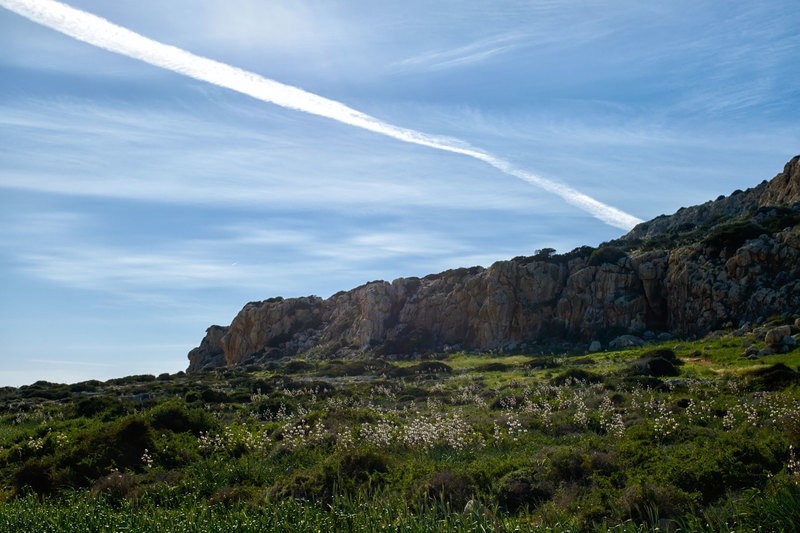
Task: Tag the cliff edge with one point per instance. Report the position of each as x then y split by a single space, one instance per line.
719 264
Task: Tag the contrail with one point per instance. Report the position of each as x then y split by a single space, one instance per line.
104 34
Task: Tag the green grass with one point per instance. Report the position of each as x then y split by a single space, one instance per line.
707 450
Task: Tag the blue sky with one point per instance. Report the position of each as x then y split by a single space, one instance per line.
139 206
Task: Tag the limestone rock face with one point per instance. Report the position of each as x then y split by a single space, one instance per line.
271 324
209 354
707 288
686 274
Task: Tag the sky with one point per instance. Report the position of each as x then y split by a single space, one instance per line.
139 205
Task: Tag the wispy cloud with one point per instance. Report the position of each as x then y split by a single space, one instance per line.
249 257
99 32
462 55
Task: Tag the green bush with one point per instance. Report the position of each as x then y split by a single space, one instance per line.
526 488
448 487
179 418
606 254
37 475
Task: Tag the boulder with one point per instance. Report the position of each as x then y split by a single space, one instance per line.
625 341
775 337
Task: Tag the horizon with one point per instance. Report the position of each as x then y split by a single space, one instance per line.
141 206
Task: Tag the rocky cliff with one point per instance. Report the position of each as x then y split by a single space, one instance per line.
716 265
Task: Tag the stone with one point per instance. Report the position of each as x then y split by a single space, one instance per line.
625 341
595 347
774 337
209 354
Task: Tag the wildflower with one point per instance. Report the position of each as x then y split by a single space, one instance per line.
147 459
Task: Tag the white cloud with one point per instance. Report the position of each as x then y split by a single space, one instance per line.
103 34
461 55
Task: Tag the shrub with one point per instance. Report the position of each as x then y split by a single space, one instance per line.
576 374
650 503
659 363
774 377
230 496
214 396
730 462
36 475
606 254
523 488
493 367
361 465
303 486
178 418
569 464
297 366
117 446
446 486
114 488
101 405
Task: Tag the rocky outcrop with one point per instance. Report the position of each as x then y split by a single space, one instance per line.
782 190
742 267
209 354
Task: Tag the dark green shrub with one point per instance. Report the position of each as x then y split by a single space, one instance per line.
360 465
431 367
302 486
569 464
446 486
37 475
659 363
114 488
214 396
130 380
774 377
86 386
525 488
731 462
575 375
192 397
731 236
297 366
98 406
45 390
179 418
231 496
120 445
606 254
127 440
493 367
650 503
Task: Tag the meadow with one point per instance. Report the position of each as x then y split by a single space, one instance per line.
677 435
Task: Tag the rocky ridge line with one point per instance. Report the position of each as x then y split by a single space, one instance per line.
720 264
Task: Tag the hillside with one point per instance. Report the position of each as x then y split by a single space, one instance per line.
693 436
725 263
335 418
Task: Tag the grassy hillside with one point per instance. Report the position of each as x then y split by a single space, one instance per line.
676 435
